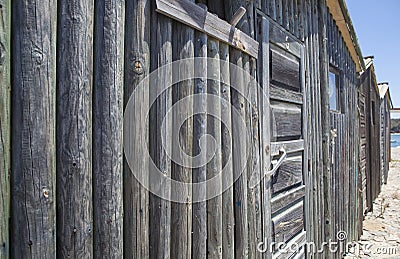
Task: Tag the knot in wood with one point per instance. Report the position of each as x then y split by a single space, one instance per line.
37 56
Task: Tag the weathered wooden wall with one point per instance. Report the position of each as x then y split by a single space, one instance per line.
5 54
75 67
33 166
370 144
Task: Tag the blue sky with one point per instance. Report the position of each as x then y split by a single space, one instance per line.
377 25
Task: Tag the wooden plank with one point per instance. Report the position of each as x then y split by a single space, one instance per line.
288 224
289 146
239 159
5 35
286 198
282 94
199 130
290 173
196 17
279 11
74 129
286 120
137 67
285 14
323 67
181 215
253 167
160 209
272 6
265 136
228 216
214 167
285 71
285 41
33 213
108 128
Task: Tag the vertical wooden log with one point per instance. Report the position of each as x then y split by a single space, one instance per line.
285 14
254 197
279 11
228 216
214 167
200 129
33 213
181 213
272 6
137 67
324 90
265 135
160 209
108 128
5 33
74 129
239 157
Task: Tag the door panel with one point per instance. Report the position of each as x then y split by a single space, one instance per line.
282 79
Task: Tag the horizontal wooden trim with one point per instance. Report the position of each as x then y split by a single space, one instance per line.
282 94
286 198
289 146
198 18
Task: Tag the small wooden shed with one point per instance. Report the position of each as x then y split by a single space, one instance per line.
385 106
369 104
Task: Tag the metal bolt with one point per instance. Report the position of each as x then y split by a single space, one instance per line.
138 67
46 192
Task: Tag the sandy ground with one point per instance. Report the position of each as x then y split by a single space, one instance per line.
381 231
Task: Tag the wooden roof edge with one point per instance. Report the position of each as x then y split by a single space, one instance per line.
340 13
388 95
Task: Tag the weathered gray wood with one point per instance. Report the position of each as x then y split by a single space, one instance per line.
284 70
289 146
281 94
196 17
228 220
137 67
181 215
288 224
285 14
239 158
5 35
286 120
290 173
285 41
254 167
324 88
200 124
108 128
265 133
214 167
160 209
33 212
286 198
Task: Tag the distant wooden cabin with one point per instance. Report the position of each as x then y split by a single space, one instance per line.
385 106
317 132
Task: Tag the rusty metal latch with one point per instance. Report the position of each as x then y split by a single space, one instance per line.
254 181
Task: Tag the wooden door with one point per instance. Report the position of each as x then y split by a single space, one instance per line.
283 135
